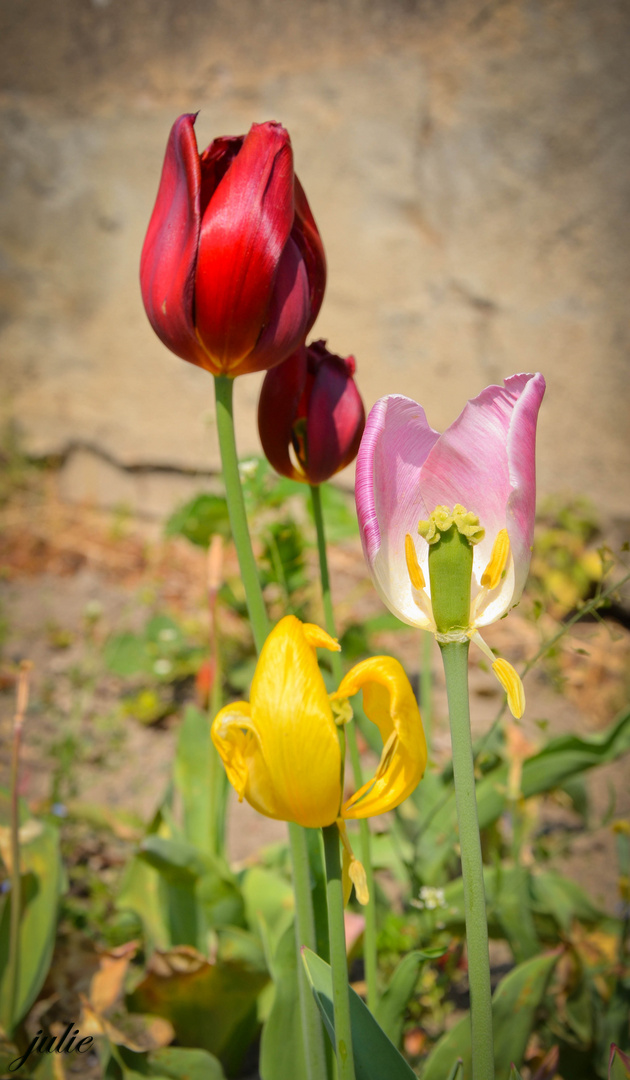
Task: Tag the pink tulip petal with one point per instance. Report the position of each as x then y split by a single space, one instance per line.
394 448
485 461
287 317
243 235
167 266
336 418
277 408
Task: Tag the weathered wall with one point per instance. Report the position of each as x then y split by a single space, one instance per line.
468 164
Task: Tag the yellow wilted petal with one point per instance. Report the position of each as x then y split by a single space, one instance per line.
496 567
318 638
358 878
413 566
511 683
389 703
352 871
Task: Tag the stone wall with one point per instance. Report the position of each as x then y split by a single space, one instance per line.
468 164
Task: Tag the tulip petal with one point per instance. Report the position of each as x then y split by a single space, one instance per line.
306 236
239 745
280 394
389 703
298 735
395 445
169 253
336 418
287 318
243 234
485 461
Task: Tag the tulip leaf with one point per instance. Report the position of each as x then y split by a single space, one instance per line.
268 897
375 1056
457 1072
208 1003
42 879
618 1064
515 1074
199 520
282 1043
192 770
514 1006
390 1011
183 1063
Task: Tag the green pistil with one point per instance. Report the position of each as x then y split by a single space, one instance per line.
442 519
451 535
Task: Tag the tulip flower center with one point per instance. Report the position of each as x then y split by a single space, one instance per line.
451 535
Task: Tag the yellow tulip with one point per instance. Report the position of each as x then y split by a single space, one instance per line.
281 751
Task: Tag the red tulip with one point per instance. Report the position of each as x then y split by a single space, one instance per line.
233 268
310 404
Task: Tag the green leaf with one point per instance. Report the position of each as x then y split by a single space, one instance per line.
457 1072
179 1063
282 1043
176 860
42 886
375 1057
569 755
563 899
192 770
514 1006
269 897
515 1074
206 1002
126 655
199 520
618 1064
390 1011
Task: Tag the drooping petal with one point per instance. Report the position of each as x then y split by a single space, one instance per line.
389 703
287 318
394 448
295 725
277 409
306 236
238 741
470 464
243 234
169 254
336 417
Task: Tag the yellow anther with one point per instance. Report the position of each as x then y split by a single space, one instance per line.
341 710
498 560
512 685
413 566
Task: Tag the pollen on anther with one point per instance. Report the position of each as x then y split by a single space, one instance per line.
413 566
496 567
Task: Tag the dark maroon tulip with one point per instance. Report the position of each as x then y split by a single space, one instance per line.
311 406
233 269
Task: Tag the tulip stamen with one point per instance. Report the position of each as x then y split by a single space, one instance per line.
353 872
418 583
494 572
508 677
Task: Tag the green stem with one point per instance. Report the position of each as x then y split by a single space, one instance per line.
304 924
455 660
369 937
224 388
217 778
338 960
426 686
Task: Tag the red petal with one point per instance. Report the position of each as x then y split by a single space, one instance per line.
243 234
288 316
336 419
277 409
306 236
167 266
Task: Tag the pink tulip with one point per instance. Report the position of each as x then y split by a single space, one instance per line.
484 463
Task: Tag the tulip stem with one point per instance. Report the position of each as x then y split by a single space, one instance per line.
369 936
258 618
338 958
455 660
314 1047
